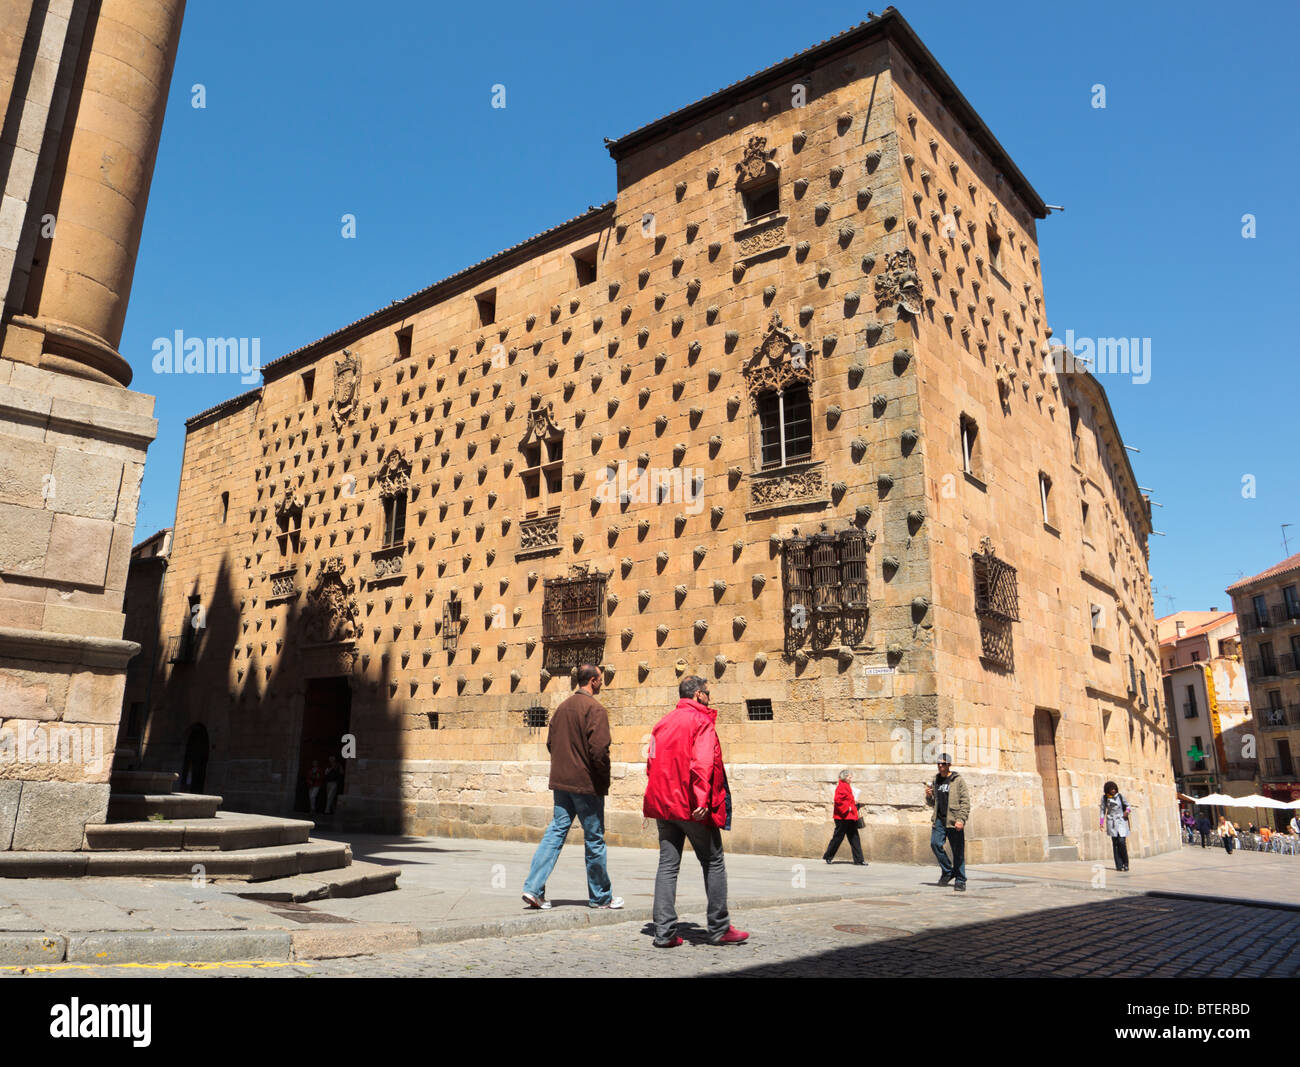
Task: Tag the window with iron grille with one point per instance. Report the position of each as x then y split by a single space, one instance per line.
997 605
535 717
785 426
450 624
826 588
573 619
758 710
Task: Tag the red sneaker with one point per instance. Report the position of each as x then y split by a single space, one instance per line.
676 942
732 937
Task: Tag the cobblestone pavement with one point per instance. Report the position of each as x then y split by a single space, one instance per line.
1001 930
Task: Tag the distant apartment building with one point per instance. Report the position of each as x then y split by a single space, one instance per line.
1268 610
1208 703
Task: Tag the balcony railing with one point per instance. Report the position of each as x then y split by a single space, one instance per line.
1250 622
1281 614
1275 718
1277 767
1289 662
1260 668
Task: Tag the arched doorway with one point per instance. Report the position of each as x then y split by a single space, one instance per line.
194 766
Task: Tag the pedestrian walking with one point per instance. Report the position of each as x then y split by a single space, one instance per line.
950 798
1204 827
1227 834
1115 814
686 794
847 822
1294 825
578 741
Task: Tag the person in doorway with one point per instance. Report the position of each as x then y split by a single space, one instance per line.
1115 814
686 794
847 822
578 740
315 779
1227 834
333 783
950 798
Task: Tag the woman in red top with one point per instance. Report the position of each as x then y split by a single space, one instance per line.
846 821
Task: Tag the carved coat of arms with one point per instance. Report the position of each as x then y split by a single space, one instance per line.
779 360
347 381
899 284
331 610
755 162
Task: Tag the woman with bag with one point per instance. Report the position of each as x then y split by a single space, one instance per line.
1115 821
847 822
1227 834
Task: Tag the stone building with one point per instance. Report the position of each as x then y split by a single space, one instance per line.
783 413
141 604
1207 703
85 86
1268 613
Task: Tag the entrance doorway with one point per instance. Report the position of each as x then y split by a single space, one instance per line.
194 764
327 709
1045 757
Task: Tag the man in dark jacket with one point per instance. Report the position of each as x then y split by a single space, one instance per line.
578 740
686 794
950 799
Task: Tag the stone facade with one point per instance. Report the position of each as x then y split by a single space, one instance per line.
1268 613
76 160
714 427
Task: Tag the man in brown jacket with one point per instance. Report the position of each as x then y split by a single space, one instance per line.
578 740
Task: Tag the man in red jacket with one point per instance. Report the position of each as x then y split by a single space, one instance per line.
686 793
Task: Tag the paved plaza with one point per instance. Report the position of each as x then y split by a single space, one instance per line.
1192 912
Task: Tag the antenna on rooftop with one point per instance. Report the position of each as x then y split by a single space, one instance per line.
1286 548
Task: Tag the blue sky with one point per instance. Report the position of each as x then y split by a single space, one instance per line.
321 109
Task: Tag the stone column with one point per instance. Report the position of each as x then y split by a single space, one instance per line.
72 437
81 297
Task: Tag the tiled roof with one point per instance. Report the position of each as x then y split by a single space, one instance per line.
1291 563
234 401
889 23
448 281
1204 628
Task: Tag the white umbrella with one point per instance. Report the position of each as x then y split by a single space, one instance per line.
1257 801
1218 800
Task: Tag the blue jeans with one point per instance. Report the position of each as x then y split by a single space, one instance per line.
590 812
957 838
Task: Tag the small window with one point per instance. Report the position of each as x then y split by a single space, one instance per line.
1045 493
450 624
1196 657
995 250
225 507
1074 430
535 718
433 719
487 308
584 262
404 342
758 710
970 448
785 426
1083 507
765 200
308 384
1098 618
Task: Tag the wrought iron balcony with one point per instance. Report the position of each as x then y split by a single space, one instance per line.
1277 767
1274 719
1260 668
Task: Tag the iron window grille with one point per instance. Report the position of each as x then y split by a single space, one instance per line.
997 605
535 718
826 588
759 710
785 426
450 624
573 619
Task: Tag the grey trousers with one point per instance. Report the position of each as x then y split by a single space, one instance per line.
706 840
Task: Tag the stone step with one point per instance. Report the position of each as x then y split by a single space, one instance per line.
356 880
226 832
248 865
153 783
129 807
1061 849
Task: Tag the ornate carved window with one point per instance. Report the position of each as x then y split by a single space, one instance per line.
573 619
288 517
785 426
394 484
997 604
826 589
543 471
451 623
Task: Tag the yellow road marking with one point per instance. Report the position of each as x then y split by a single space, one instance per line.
246 965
